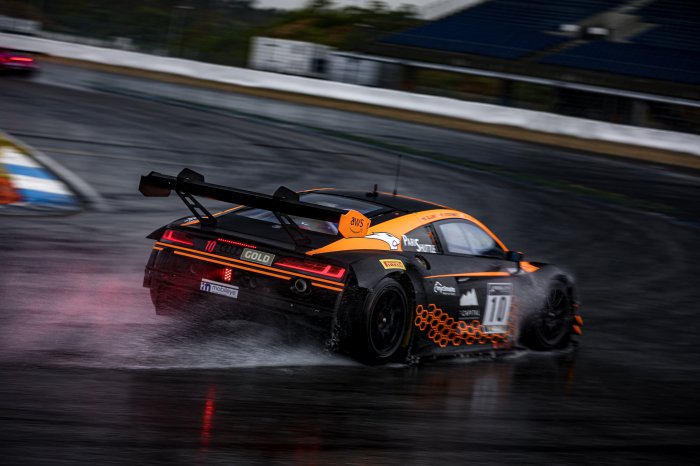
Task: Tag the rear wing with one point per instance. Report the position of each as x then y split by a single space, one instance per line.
283 203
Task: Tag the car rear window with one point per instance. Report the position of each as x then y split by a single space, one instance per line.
318 226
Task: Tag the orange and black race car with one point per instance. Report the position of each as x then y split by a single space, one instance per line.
383 277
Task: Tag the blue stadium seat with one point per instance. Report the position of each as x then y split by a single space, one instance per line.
501 28
633 60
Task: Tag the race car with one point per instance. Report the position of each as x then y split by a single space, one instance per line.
17 62
383 277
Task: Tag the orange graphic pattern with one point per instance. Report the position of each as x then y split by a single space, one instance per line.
445 330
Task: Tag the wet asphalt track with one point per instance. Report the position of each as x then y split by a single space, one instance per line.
90 376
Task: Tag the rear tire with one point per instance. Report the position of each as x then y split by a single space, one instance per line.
550 327
379 331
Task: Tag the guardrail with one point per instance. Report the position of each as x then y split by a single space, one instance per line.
469 111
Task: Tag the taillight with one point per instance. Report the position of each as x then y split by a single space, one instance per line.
178 237
316 268
24 59
237 243
227 275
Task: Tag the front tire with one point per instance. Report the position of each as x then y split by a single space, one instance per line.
380 330
550 326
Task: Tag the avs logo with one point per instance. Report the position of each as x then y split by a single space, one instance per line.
439 288
469 299
388 238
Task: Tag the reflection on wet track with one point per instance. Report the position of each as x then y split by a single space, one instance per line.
91 376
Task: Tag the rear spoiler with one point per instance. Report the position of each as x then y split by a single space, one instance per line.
284 202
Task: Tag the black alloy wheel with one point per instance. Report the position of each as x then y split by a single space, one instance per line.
550 327
380 335
387 322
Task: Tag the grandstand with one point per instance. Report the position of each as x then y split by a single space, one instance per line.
500 28
668 50
644 46
554 32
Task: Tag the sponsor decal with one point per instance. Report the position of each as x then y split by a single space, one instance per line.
440 215
222 289
468 299
388 238
227 248
495 328
252 255
443 289
415 243
389 264
469 314
353 224
499 297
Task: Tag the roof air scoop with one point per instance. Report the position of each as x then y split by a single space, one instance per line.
285 193
190 175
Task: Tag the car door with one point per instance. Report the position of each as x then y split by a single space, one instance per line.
474 263
423 242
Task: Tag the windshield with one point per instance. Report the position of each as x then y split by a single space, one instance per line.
318 226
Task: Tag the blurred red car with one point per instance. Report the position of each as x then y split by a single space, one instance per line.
11 61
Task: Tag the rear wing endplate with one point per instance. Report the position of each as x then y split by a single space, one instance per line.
188 183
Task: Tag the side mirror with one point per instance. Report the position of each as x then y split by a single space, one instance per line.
514 256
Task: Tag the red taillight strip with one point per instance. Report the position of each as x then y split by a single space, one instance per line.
251 264
310 268
237 243
171 235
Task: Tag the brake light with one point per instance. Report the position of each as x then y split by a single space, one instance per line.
178 237
237 243
227 275
25 59
317 268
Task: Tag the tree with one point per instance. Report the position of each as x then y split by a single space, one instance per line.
378 6
319 5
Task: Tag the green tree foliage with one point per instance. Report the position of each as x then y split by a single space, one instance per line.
348 28
218 31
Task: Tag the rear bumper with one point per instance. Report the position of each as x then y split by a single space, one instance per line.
191 288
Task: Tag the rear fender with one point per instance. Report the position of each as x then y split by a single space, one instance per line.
371 269
366 271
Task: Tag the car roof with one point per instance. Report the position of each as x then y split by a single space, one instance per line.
396 202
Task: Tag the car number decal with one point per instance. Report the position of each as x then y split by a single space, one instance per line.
260 257
499 297
222 289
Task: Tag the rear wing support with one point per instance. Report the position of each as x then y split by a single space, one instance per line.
203 215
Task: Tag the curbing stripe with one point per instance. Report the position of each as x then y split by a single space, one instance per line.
46 185
30 196
29 172
12 156
34 158
33 184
